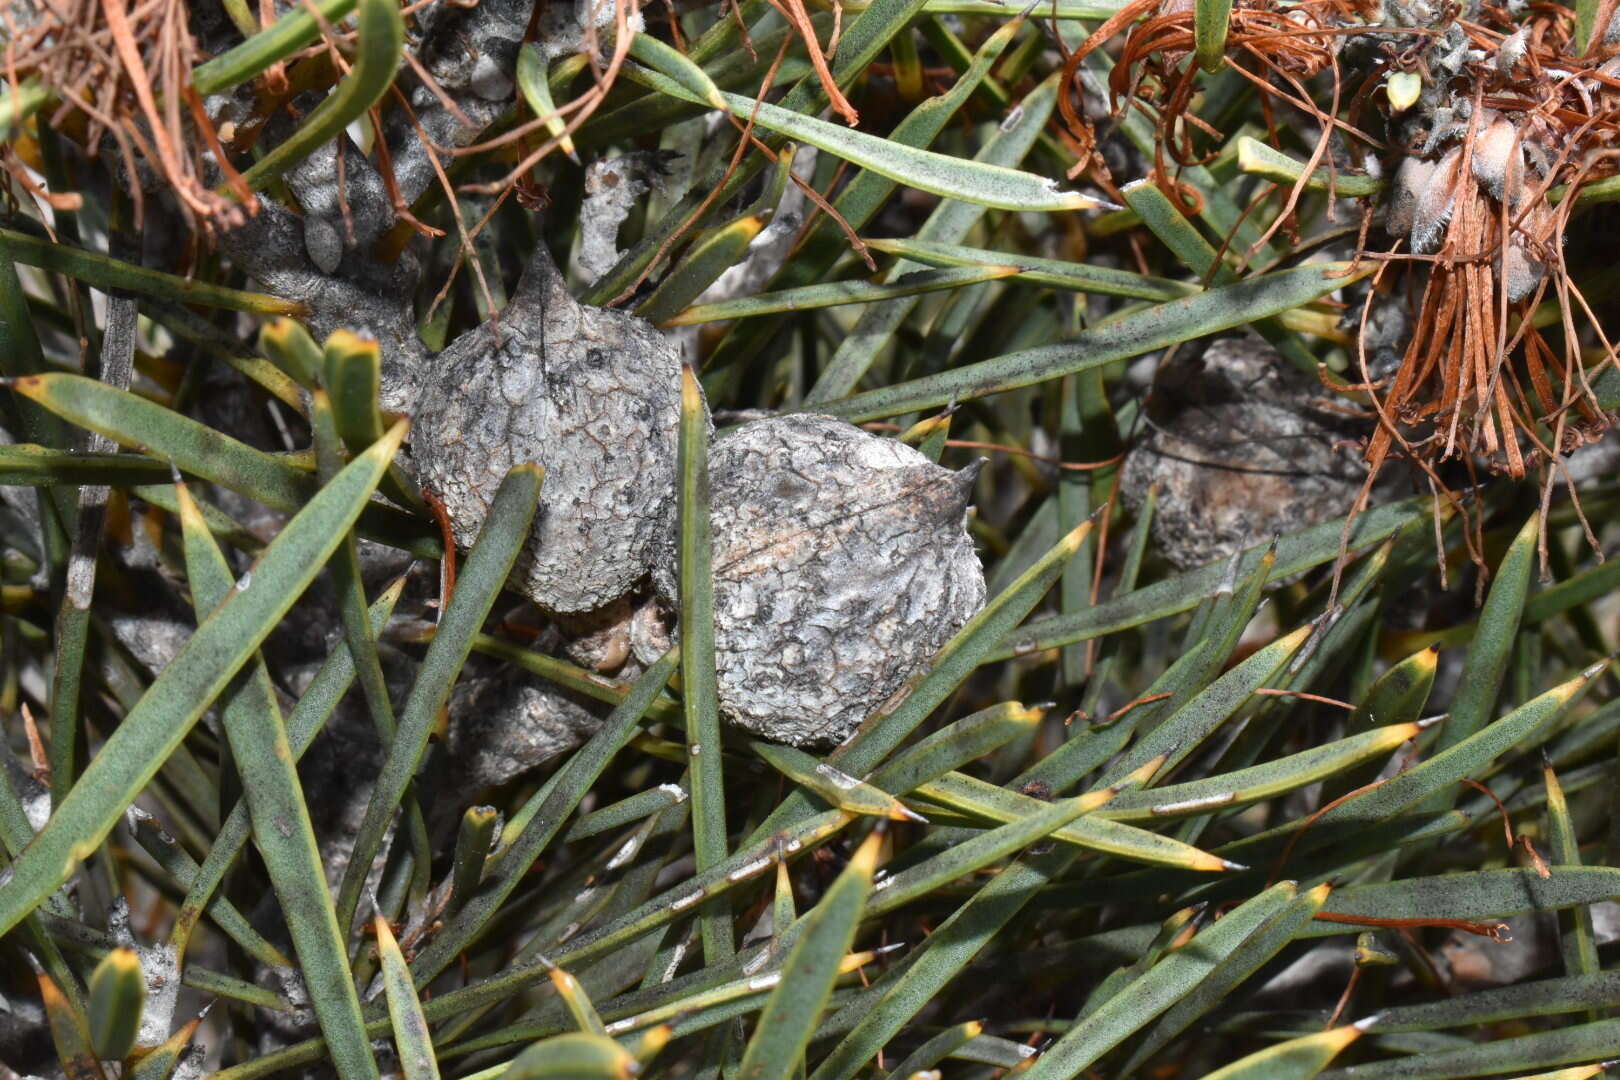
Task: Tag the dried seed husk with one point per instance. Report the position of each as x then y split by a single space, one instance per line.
593 396
1521 270
841 565
1435 202
1410 181
1497 163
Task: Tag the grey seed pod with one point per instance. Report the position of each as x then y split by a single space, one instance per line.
592 395
1240 455
505 725
1411 179
1435 202
841 565
1497 163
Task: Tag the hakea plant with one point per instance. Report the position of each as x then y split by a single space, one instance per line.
822 677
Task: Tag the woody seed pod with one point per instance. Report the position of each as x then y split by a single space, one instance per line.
594 396
503 725
841 565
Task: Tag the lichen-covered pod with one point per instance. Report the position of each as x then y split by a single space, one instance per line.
841 565
592 395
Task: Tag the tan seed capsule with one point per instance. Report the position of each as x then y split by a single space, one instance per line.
1435 202
1497 163
1521 270
1410 180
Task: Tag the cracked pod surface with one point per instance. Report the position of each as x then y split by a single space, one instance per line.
841 565
593 396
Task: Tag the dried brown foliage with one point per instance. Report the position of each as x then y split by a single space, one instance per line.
1482 199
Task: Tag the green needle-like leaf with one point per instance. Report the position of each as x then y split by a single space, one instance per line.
104 272
1467 758
304 723
577 1056
954 178
480 826
832 786
282 830
1254 156
378 44
1182 732
789 1018
411 1036
699 694
1052 273
1584 1042
578 1002
1486 667
1577 936
573 781
1397 697
505 530
225 641
1160 987
1241 963
536 91
198 450
1258 782
74 1053
987 847
1210 20
1296 1059
352 375
276 42
159 1063
1474 895
117 996
1151 328
1111 837
811 297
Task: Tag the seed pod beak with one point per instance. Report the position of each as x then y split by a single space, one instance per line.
961 482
